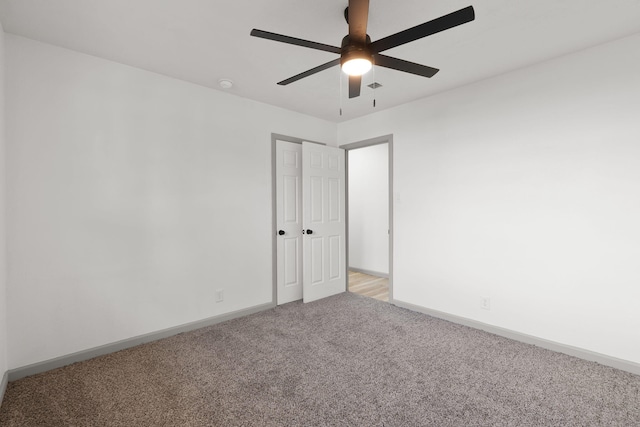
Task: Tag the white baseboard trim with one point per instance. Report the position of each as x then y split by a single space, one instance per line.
58 362
624 365
3 385
369 272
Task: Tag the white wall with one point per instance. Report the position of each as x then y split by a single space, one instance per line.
132 197
369 208
3 244
524 188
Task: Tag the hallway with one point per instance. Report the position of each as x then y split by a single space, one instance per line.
369 286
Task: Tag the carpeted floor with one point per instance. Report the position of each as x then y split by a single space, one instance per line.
344 361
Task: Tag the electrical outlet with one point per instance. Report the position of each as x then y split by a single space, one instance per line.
219 295
485 303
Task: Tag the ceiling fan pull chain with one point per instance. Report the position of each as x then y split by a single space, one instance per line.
340 84
373 83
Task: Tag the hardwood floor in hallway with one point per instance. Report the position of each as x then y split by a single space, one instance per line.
369 286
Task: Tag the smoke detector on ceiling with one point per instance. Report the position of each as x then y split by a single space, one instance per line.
225 83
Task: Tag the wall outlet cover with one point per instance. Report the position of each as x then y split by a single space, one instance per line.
219 295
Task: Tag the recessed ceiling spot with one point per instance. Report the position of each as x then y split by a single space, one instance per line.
225 84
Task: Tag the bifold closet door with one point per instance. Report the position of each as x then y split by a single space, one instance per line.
310 221
323 213
288 221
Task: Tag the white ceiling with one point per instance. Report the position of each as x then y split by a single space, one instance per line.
202 41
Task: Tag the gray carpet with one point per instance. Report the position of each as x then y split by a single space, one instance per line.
344 361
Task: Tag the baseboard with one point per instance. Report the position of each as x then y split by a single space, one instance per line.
369 272
592 356
3 386
58 362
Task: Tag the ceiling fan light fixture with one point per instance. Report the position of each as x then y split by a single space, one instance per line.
357 51
356 66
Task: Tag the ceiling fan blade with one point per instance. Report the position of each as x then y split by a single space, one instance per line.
310 72
354 86
296 41
402 65
445 22
358 17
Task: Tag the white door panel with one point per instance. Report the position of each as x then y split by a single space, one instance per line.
323 212
289 220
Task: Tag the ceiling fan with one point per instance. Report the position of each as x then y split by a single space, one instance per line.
358 53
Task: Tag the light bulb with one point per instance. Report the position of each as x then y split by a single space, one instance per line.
356 66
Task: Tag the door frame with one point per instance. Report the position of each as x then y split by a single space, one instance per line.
386 139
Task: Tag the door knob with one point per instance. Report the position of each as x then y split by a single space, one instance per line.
309 231
281 232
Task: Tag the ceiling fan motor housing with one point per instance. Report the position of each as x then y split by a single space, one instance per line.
352 50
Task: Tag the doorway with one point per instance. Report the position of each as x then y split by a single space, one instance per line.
370 217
